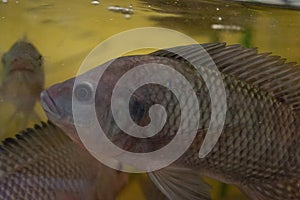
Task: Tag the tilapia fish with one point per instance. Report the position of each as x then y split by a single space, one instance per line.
22 78
259 147
44 164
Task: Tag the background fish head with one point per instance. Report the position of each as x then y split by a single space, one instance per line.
22 56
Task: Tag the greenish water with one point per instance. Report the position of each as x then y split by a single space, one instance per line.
65 32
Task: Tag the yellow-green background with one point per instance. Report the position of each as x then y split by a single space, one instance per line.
65 31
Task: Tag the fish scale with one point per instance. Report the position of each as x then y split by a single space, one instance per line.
41 179
44 164
254 152
239 155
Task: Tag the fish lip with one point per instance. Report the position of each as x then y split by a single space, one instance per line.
25 65
19 69
49 105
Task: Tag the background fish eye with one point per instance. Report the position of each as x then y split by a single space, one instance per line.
40 59
3 59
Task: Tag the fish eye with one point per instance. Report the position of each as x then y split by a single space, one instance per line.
83 92
3 59
40 59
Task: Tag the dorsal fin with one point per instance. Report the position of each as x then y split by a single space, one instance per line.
270 73
27 146
43 163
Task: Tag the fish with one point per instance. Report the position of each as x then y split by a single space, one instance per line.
43 163
258 149
22 79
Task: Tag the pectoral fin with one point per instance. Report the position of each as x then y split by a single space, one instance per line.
180 184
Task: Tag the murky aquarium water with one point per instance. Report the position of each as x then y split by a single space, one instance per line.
65 32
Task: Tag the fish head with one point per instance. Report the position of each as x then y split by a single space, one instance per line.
95 91
22 56
22 77
57 104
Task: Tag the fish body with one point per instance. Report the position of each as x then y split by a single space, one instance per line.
44 164
259 147
23 75
22 80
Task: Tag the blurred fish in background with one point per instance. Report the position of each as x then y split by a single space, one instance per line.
44 164
21 82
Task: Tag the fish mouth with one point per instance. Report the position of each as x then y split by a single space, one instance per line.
26 65
20 69
49 105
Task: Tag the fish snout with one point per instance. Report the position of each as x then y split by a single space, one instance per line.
57 101
49 105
